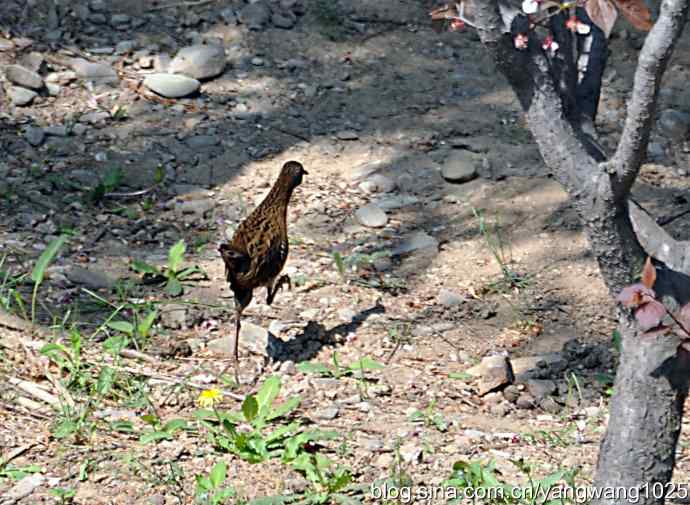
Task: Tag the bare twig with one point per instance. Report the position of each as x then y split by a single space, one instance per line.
653 59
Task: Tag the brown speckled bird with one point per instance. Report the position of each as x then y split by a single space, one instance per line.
259 248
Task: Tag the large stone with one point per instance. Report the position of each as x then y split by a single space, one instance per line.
89 278
674 124
21 96
254 338
416 241
255 15
172 85
541 388
97 72
494 372
371 216
23 77
199 62
34 135
460 166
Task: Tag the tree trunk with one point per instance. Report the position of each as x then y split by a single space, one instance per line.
638 452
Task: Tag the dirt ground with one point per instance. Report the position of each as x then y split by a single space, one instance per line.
376 106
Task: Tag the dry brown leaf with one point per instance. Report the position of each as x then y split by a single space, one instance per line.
636 12
648 274
603 14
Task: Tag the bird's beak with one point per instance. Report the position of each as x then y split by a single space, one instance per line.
304 172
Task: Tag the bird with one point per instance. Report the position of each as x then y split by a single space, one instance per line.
257 252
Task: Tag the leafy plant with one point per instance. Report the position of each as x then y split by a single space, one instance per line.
68 358
481 479
140 328
64 494
112 179
501 251
257 412
210 490
173 274
160 432
9 292
337 371
38 273
430 418
12 472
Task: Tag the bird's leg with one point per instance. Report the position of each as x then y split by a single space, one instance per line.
238 316
285 279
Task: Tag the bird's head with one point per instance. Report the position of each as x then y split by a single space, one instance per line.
292 173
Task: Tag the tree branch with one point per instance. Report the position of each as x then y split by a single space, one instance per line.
652 63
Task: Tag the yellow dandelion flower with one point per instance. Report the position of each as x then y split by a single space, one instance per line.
209 397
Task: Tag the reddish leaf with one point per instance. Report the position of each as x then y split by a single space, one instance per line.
648 274
603 14
649 315
636 12
635 295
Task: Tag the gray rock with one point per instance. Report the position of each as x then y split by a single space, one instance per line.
21 96
674 124
525 401
202 141
171 85
161 62
411 452
371 216
120 19
85 177
198 207
98 5
285 20
511 393
347 135
378 183
23 77
257 62
97 18
26 486
494 372
228 15
32 61
254 338
64 77
34 135
449 298
89 278
125 46
361 172
53 89
396 201
416 241
79 129
94 117
327 414
174 316
199 62
6 45
460 166
56 131
97 72
550 405
541 388
255 15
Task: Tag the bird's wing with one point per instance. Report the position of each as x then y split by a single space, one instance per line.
236 262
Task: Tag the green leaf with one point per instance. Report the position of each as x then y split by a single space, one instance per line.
319 368
366 363
218 474
175 255
105 381
154 436
145 325
122 426
173 287
144 268
463 376
150 419
284 408
250 408
616 340
115 344
123 326
65 429
339 263
267 394
174 425
46 257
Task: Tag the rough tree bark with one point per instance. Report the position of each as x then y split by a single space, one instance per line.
651 384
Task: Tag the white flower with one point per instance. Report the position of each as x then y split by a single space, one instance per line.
530 6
